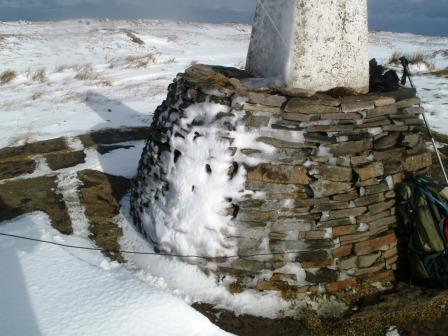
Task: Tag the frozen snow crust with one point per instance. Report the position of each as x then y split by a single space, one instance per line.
278 191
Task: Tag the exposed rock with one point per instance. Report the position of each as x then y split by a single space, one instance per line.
368 260
113 136
100 196
380 207
417 162
10 169
300 105
334 173
342 251
320 191
408 102
354 238
328 188
383 101
301 117
257 216
308 256
370 199
324 275
372 170
375 244
266 99
382 111
319 138
348 263
65 160
351 147
356 106
344 230
284 144
387 141
261 108
283 174
40 147
347 212
19 197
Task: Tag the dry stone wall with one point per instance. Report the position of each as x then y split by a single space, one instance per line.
318 211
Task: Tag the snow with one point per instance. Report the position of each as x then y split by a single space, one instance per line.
198 189
392 331
191 284
50 290
197 222
121 81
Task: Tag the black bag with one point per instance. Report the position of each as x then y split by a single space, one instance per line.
380 81
423 209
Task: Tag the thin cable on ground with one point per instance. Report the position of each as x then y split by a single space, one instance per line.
145 253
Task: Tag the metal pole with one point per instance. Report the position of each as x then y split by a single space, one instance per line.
428 128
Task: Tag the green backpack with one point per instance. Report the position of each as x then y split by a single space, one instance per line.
423 209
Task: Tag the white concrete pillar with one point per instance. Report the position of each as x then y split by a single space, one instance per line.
313 45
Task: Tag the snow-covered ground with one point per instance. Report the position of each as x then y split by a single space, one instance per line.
48 290
76 76
52 290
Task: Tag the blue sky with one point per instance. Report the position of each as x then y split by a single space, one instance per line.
418 16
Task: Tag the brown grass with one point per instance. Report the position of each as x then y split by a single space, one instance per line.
141 61
103 82
40 76
135 62
37 95
86 72
61 68
7 76
134 38
395 58
417 58
440 73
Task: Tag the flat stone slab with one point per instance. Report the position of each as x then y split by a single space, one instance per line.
113 136
100 195
65 160
19 197
10 169
34 148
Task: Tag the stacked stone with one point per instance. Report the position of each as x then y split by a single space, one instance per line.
321 211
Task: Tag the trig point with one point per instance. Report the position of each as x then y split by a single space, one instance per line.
311 45
287 189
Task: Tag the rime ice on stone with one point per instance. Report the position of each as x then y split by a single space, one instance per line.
311 45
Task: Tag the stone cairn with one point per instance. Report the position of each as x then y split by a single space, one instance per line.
328 204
